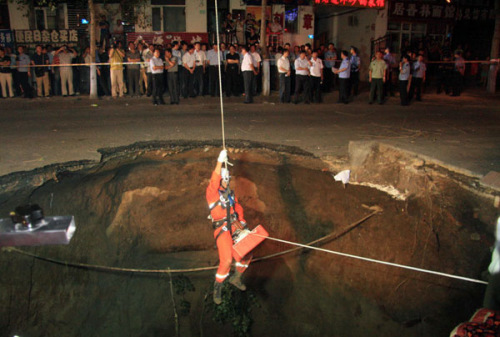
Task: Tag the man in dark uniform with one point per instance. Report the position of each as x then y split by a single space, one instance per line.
232 71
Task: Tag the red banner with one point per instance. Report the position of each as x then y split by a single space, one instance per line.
163 38
377 4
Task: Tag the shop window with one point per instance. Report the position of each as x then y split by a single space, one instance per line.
405 35
50 18
157 24
169 19
174 19
291 19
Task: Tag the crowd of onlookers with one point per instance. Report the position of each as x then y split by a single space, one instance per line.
186 70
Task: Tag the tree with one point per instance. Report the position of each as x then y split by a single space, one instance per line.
92 28
265 61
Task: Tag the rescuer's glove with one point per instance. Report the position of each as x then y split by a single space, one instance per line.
222 156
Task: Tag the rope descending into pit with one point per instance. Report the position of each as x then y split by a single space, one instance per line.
299 246
219 52
375 261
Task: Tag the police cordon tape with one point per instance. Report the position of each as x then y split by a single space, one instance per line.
145 63
299 246
75 65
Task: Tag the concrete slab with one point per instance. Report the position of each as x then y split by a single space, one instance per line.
492 179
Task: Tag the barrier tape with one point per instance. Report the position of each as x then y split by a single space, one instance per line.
146 63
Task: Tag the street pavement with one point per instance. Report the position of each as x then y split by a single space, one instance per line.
462 132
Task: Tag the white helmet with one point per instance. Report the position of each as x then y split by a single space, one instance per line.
224 174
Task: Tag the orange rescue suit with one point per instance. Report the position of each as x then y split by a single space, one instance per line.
224 240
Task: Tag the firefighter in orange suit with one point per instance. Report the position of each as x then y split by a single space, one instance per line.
224 205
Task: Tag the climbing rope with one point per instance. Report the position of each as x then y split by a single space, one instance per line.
219 52
299 246
373 260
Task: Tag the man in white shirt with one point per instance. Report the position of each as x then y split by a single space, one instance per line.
189 63
201 60
302 77
214 57
157 66
283 65
256 64
316 70
248 71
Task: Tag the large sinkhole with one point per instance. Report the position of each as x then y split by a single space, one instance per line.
144 208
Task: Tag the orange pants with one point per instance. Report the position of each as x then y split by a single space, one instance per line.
225 247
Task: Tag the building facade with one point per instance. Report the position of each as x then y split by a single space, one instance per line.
156 20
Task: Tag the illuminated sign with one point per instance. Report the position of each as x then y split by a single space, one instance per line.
377 4
424 11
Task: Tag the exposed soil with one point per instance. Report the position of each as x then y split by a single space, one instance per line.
147 209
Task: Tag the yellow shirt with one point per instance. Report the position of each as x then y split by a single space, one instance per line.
116 61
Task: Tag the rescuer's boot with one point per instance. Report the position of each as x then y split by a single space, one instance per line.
217 293
235 280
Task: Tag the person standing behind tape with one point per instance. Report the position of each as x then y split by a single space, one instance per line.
344 73
227 217
232 72
418 78
157 66
404 80
66 72
214 57
316 78
199 70
23 63
284 76
355 62
133 70
5 74
458 74
248 71
302 65
42 73
172 68
377 76
116 56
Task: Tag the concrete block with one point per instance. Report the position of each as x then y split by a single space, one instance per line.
492 179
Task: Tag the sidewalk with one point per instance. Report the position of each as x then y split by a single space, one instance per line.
463 132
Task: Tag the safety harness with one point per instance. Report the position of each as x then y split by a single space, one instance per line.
226 201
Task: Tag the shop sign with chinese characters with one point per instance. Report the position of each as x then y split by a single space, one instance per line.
376 4
6 38
52 37
426 11
165 37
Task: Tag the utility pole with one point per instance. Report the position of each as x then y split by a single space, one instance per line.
92 68
265 57
495 51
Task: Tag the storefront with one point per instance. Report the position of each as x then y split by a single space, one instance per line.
413 24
